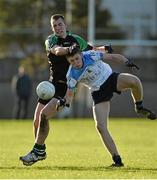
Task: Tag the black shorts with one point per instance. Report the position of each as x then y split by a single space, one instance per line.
60 91
105 93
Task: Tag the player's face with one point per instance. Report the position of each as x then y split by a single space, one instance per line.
76 61
59 27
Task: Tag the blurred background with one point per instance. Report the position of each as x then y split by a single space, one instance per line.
130 26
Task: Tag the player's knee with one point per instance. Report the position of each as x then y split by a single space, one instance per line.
134 81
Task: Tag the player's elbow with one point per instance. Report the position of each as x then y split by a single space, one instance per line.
118 58
57 52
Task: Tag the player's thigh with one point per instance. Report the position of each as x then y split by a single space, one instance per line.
50 109
126 81
101 113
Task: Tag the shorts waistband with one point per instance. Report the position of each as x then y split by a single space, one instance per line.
60 81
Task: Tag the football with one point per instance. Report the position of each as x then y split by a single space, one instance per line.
45 90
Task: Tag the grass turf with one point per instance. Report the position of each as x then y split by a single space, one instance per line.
75 150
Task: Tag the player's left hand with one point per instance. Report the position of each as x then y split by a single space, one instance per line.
108 48
130 64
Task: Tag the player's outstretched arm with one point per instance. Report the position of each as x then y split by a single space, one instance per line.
69 96
107 48
118 58
61 51
66 101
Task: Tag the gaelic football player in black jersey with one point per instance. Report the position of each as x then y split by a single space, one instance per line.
60 43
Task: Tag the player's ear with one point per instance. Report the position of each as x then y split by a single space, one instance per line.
52 29
66 26
68 59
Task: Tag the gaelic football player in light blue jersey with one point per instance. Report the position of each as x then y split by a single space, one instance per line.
91 69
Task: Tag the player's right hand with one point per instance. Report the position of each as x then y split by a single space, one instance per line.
61 103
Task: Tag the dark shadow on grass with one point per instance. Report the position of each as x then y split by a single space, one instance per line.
12 167
71 168
97 168
79 168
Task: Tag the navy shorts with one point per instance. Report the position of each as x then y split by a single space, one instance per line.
105 93
60 91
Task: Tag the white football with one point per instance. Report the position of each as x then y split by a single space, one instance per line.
45 90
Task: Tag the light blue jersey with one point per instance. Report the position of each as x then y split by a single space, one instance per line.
93 73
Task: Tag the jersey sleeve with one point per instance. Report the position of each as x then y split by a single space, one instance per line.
96 55
50 42
71 82
82 43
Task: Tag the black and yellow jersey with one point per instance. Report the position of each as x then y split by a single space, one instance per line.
58 64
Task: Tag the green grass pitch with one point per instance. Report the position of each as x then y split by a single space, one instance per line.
75 150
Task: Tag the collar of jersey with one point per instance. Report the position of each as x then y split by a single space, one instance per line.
67 33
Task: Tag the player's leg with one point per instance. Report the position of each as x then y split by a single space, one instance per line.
101 113
41 123
46 113
129 81
31 157
39 149
38 109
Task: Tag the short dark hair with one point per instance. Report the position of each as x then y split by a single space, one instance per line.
57 16
73 51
